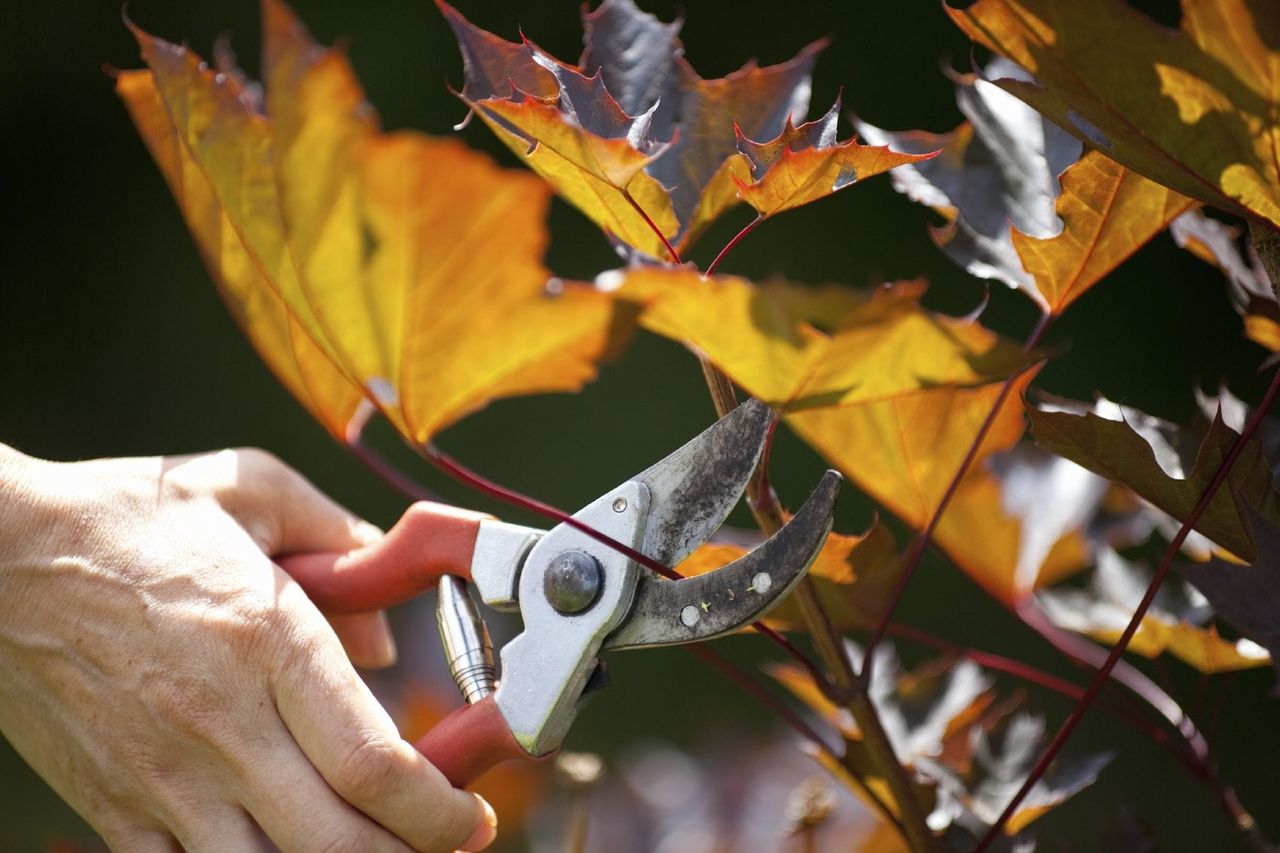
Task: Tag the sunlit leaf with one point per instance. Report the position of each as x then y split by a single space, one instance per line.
1175 623
853 576
806 163
871 346
1196 110
1024 206
1164 465
635 132
1248 597
409 264
1247 283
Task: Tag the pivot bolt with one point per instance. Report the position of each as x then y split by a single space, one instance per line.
572 582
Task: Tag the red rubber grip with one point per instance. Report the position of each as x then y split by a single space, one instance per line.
428 541
470 741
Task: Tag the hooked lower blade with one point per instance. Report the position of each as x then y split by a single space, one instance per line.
692 491
668 612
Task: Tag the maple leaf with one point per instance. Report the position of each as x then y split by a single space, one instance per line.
1195 110
399 267
1247 283
853 576
639 142
1165 465
1247 596
1176 622
1023 205
806 163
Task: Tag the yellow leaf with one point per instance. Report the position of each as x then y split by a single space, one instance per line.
1197 110
246 286
1107 212
603 178
409 263
766 339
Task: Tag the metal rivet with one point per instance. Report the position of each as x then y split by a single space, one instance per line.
761 582
572 582
690 616
619 504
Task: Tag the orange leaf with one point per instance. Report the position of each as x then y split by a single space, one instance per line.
410 263
1108 212
1196 110
806 163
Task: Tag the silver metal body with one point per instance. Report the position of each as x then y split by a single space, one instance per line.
665 512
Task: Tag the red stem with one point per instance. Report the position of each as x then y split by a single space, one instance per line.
1031 674
1162 570
728 247
653 226
393 476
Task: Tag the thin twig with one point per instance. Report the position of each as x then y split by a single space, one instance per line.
653 226
393 476
1246 823
745 683
728 247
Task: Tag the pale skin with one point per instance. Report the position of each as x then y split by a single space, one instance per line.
177 688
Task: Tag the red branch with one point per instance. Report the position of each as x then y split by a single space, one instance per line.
728 247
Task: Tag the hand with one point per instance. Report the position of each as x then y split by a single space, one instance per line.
177 688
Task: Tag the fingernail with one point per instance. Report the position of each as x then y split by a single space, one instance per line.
486 831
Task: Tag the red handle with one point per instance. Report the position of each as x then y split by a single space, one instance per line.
428 541
470 741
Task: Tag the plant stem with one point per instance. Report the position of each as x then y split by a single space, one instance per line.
1246 823
390 474
830 645
728 247
745 683
653 226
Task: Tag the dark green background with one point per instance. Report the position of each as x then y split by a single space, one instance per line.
113 341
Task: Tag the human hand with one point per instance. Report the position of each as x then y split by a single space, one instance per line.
177 688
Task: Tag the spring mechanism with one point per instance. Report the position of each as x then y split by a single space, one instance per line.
465 640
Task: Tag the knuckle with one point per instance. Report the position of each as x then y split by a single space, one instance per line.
369 769
458 819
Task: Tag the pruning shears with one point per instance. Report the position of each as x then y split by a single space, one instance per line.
578 596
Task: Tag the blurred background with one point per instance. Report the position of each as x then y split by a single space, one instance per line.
114 342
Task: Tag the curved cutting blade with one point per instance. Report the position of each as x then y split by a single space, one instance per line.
668 612
692 491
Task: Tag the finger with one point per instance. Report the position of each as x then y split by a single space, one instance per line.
223 827
349 738
298 810
367 638
279 507
141 839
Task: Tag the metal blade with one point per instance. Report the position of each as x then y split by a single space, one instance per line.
668 612
692 491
